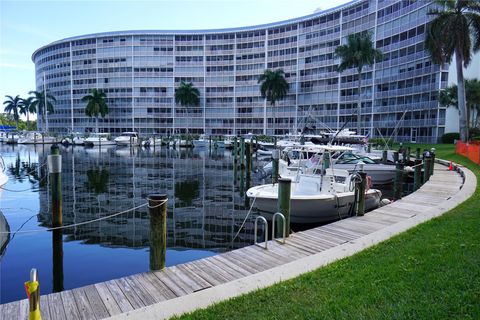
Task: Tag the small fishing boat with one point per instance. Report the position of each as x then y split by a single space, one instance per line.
128 138
99 139
315 199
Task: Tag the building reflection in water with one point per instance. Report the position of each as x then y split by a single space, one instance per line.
205 209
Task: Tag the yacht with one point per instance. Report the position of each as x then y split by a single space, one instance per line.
33 137
201 142
128 139
315 198
228 141
99 139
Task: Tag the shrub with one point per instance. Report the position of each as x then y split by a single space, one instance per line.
450 137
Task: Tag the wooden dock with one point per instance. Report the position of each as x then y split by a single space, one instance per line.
114 297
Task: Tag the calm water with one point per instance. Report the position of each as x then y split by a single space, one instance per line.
205 210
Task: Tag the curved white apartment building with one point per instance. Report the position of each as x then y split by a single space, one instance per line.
139 71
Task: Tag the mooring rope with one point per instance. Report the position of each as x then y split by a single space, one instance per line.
244 220
87 222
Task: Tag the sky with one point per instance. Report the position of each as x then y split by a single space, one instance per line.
27 25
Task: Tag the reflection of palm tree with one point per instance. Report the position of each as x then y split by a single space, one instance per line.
97 180
186 191
20 171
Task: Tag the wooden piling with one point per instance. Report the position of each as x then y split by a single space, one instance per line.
57 260
55 172
359 194
395 157
242 153
417 154
275 164
427 164
432 164
407 160
157 204
384 156
417 177
398 184
283 203
248 157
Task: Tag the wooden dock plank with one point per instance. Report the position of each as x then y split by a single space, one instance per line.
233 261
218 269
108 299
194 282
172 285
10 310
83 304
71 310
159 286
23 309
118 295
139 290
211 279
98 307
55 304
321 239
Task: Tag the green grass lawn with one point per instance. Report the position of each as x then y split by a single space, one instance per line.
429 272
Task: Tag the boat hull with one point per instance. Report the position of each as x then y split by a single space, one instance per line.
97 143
321 209
200 143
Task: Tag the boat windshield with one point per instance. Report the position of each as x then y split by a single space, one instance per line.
348 157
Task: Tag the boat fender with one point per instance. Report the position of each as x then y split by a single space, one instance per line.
384 202
369 183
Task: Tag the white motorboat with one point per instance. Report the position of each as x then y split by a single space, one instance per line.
153 142
36 138
201 142
129 138
228 141
314 198
11 138
76 138
99 139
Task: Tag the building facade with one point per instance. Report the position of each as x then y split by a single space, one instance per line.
139 71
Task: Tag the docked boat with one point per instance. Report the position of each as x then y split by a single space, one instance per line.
99 139
11 138
201 142
4 234
228 141
36 138
315 198
128 139
153 142
76 138
3 176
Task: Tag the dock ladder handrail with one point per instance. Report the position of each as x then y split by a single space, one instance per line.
278 214
266 231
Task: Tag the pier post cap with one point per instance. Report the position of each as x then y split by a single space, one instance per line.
54 149
284 180
157 197
276 154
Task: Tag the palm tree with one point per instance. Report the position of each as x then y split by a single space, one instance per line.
13 105
187 96
449 97
273 87
96 105
455 30
38 103
358 52
27 107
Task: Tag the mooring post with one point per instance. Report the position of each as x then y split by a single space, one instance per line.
157 204
33 293
283 204
369 148
55 171
407 161
417 177
302 140
417 155
395 156
427 168
275 142
275 163
359 194
432 165
248 156
242 153
384 156
398 184
235 149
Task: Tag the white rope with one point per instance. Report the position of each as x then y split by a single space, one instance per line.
81 223
244 220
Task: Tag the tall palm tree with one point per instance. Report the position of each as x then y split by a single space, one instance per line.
187 96
13 105
273 87
38 103
27 107
96 105
358 52
455 30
